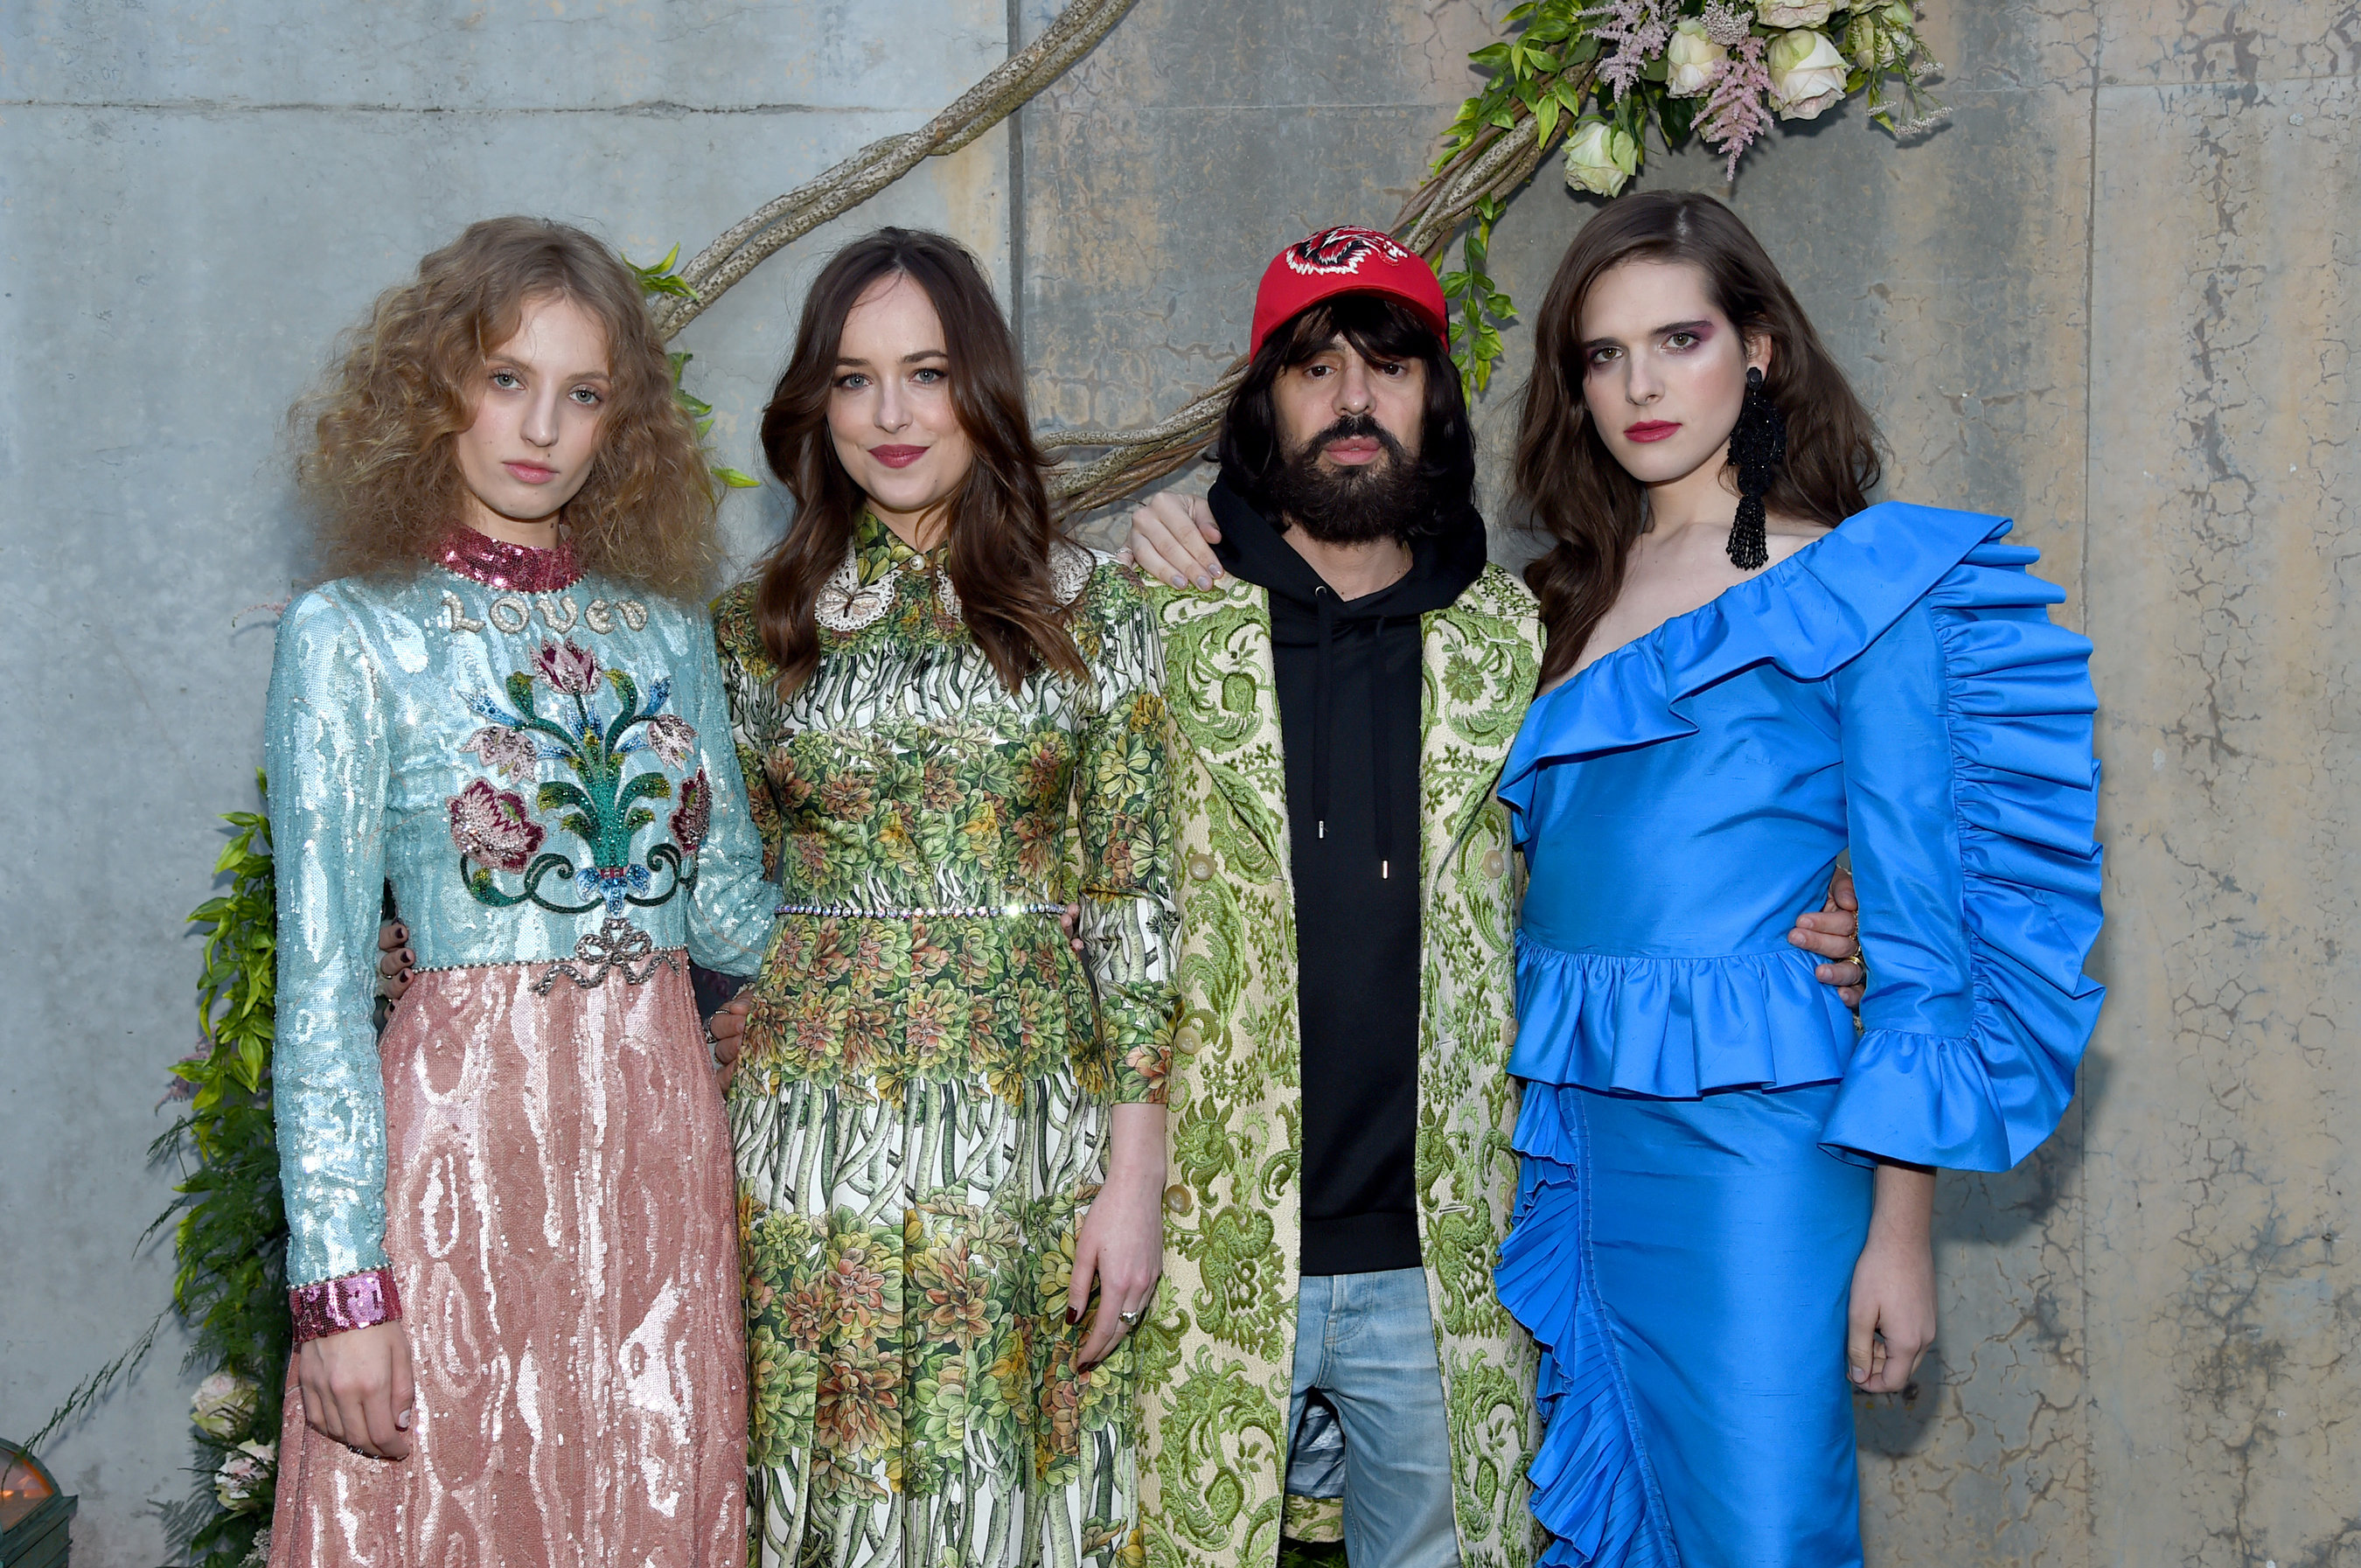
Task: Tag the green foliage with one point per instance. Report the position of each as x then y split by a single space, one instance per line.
1570 63
659 278
660 281
230 1243
1478 306
1541 72
1544 72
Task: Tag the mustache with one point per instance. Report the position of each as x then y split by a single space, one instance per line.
1359 427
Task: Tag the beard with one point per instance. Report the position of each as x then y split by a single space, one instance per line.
1389 499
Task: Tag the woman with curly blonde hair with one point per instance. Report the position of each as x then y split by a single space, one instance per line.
512 1253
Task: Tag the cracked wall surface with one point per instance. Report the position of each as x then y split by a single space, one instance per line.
2113 298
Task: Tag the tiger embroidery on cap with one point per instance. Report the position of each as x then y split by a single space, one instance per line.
1342 250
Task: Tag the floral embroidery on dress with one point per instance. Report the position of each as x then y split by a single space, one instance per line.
600 805
491 828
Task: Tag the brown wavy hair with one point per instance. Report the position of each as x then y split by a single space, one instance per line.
1572 485
1001 531
379 465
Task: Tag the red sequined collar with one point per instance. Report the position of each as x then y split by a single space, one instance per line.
516 568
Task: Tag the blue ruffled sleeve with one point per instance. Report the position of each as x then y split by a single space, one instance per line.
1971 802
329 763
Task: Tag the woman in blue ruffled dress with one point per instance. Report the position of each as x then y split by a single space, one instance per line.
1723 1225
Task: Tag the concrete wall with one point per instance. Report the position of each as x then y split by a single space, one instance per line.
2113 298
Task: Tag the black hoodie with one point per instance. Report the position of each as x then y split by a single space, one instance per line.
1349 690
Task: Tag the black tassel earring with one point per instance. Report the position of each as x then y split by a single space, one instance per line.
1757 445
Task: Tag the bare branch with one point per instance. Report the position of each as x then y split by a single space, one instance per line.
747 244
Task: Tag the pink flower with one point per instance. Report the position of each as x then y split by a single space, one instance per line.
574 671
491 828
694 816
670 736
505 751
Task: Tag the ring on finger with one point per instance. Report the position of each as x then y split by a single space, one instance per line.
1130 1320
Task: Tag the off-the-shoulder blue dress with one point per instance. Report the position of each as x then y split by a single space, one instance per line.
1700 1112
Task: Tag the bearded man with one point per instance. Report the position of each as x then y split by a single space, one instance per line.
1341 1173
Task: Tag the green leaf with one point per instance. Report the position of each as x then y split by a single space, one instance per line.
1582 51
1492 57
659 279
1545 117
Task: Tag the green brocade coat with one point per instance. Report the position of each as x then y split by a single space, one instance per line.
1217 1350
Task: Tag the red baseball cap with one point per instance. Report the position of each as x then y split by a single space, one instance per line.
1346 261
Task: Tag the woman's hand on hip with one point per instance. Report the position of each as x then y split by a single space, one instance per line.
728 1028
1833 932
356 1389
394 959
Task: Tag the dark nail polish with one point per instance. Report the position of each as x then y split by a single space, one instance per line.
1072 1316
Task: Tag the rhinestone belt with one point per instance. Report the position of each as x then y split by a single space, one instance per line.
937 912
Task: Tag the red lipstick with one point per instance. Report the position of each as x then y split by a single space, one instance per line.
897 457
1649 430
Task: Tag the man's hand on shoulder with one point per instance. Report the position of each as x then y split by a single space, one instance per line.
1173 541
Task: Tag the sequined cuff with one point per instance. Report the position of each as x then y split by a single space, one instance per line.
333 1306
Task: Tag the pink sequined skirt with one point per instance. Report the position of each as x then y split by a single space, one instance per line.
562 1225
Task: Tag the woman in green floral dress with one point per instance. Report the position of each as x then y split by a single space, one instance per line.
950 1127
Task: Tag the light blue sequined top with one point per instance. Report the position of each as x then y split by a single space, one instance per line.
528 769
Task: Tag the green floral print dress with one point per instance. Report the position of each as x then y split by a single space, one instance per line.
922 1112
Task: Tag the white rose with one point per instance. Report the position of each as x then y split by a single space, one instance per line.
225 1402
1786 14
243 1478
1599 159
1808 74
1692 60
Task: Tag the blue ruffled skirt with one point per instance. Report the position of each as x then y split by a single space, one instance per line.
1685 1265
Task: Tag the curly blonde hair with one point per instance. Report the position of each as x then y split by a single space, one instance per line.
378 466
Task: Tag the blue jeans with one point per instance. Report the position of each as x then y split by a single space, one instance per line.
1367 1342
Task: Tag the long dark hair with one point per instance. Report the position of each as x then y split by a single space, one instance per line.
1001 531
1573 488
1378 327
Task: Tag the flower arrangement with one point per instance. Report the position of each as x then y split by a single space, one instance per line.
1720 72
